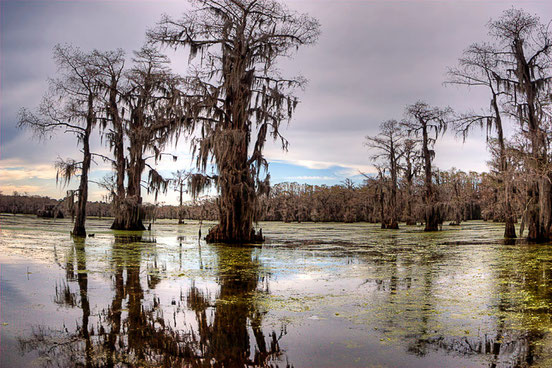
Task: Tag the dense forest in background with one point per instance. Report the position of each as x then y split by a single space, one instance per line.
466 196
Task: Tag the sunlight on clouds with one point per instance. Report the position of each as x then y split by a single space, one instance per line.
10 188
346 169
12 170
306 177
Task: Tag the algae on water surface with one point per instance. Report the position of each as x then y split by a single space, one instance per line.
322 294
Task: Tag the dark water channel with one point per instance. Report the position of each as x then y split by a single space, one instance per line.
315 295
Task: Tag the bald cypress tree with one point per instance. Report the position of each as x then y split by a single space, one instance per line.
70 106
427 123
151 97
480 66
525 51
388 149
237 99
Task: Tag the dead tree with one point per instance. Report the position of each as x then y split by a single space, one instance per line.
70 106
480 66
410 167
388 147
428 123
525 53
238 94
178 181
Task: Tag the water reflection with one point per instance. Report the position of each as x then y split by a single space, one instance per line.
65 347
319 294
424 307
200 326
225 338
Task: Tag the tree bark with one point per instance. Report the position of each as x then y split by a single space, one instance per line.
393 221
236 204
120 163
180 209
509 218
540 201
80 219
130 215
432 213
409 175
238 197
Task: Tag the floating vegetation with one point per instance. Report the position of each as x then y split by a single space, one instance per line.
463 296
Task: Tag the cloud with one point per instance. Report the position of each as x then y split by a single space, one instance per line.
10 188
295 178
372 59
14 169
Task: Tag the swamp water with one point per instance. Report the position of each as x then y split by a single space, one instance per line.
315 295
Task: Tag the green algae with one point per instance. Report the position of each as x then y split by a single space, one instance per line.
460 292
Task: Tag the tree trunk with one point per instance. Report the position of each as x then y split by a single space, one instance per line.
545 210
238 198
236 204
120 163
180 209
79 226
130 214
540 205
382 207
393 221
432 213
432 217
509 228
80 218
410 220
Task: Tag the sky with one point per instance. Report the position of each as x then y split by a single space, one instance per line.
372 59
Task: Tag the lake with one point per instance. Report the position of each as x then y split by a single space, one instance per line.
314 295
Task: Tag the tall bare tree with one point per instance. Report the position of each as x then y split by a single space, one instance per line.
526 49
480 66
178 181
410 167
428 123
239 94
388 147
70 106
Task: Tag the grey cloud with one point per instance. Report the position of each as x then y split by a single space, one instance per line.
372 59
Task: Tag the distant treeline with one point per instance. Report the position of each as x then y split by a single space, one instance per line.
35 204
463 196
460 193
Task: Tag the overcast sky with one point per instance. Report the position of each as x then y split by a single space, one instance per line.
372 59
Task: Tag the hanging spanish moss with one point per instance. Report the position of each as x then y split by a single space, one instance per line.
237 94
427 122
526 59
152 101
70 105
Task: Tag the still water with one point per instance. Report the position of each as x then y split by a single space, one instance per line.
315 295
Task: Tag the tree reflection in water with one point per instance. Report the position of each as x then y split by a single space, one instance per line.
134 330
513 333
